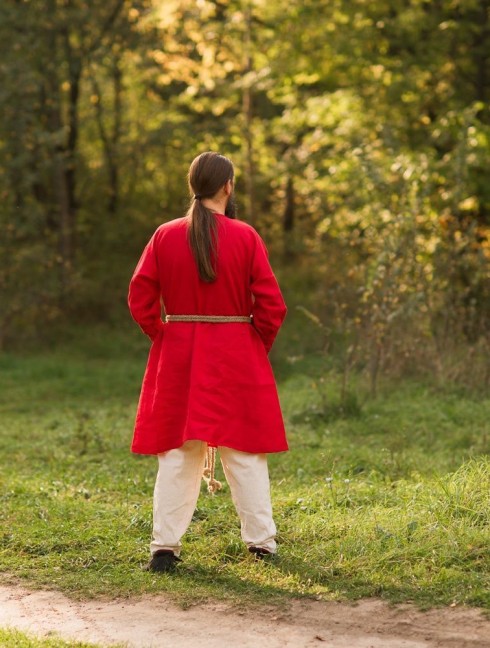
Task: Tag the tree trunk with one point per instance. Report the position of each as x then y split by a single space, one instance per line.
116 134
110 140
70 153
247 107
64 163
59 176
288 220
481 47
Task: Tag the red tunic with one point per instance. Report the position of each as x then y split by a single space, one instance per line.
206 380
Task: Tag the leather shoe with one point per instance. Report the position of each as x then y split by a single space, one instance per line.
260 553
163 560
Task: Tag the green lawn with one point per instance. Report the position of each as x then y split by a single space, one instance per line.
14 639
387 498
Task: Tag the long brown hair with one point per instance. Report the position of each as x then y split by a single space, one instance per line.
207 174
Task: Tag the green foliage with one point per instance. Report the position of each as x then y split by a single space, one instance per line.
360 133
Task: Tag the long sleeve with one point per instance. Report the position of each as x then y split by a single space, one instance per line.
144 293
269 308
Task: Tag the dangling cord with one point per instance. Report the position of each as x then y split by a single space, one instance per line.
208 473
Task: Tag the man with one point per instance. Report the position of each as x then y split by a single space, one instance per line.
208 382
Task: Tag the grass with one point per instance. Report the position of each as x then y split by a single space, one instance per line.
16 639
383 498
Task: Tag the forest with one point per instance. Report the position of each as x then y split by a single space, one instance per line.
360 134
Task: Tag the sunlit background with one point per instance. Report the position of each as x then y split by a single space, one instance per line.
360 135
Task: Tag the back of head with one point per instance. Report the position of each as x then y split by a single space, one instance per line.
208 173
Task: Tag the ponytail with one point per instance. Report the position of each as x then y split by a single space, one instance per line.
202 236
207 174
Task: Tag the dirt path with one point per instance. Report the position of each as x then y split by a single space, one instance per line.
154 622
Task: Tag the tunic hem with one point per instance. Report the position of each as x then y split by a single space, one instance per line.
142 450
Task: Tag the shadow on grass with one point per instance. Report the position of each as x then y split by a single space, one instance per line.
309 582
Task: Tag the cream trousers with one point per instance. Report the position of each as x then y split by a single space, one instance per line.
177 488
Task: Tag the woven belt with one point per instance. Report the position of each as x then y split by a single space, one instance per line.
208 318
